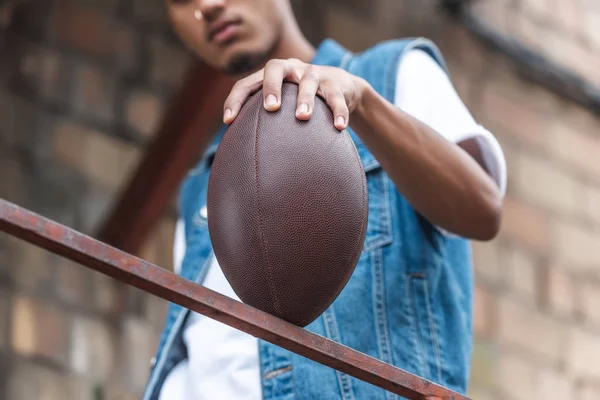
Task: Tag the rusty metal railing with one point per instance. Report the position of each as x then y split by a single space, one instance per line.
134 271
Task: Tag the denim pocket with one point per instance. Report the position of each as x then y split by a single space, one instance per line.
379 227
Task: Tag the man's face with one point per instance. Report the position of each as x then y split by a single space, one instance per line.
235 36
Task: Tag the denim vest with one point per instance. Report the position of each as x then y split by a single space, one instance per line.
409 301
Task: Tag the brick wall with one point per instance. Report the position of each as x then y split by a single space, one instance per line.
84 84
82 87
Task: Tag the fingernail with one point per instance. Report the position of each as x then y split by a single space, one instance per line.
303 108
339 121
227 114
271 100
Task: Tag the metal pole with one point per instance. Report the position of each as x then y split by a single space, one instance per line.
131 270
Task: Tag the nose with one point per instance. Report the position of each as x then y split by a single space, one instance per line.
210 9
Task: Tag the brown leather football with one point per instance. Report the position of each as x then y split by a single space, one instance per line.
287 208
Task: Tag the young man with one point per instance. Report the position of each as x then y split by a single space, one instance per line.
435 178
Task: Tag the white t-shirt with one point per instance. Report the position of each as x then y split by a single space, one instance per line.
223 363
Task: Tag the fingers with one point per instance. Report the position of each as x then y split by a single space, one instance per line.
337 102
275 71
307 90
238 95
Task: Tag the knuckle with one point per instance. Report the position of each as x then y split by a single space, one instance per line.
311 76
238 85
275 63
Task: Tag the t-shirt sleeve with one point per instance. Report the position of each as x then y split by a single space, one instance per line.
178 245
424 90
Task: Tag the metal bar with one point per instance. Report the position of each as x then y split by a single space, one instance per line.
185 131
126 268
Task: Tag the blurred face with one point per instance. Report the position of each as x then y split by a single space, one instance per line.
235 36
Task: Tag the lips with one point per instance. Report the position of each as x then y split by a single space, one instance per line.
222 31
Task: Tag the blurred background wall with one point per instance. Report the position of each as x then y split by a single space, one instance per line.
83 85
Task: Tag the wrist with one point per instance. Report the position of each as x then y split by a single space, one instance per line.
365 91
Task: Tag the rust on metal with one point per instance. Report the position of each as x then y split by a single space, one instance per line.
185 131
134 271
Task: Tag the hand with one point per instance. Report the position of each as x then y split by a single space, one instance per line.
341 90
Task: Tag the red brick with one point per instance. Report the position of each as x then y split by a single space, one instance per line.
33 273
31 381
562 291
484 363
106 293
589 293
494 14
577 247
95 93
486 259
568 14
501 109
576 148
528 31
540 9
13 176
168 64
592 203
353 31
38 329
150 12
525 224
95 33
44 72
72 282
543 183
524 275
581 359
139 345
591 19
107 161
93 349
155 311
480 393
462 48
568 52
526 329
144 112
483 317
521 378
581 119
588 391
516 377
4 319
552 384
118 393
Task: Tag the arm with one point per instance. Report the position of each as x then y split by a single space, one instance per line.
441 180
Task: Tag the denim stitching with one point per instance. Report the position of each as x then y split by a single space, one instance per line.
381 327
277 372
158 369
416 336
385 237
332 332
432 326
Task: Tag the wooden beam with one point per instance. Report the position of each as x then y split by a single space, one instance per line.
186 130
133 271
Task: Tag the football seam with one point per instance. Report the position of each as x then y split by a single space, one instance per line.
260 227
365 219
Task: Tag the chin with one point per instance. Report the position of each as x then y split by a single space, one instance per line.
245 60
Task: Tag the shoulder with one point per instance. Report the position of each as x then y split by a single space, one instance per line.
402 46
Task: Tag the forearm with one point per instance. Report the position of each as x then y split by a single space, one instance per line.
438 178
